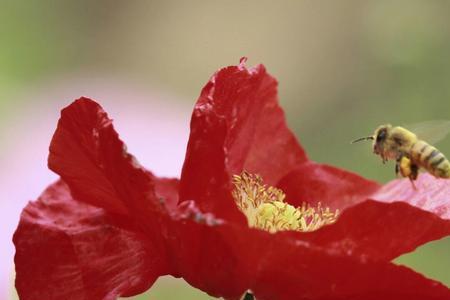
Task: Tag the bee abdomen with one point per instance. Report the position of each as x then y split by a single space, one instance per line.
439 166
431 159
419 150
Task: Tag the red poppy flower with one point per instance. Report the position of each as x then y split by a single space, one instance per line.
297 230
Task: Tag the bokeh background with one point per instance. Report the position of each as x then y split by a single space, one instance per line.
344 67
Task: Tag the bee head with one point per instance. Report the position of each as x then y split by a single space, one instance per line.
379 137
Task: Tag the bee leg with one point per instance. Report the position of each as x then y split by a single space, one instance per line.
408 169
412 183
404 165
414 174
397 169
414 171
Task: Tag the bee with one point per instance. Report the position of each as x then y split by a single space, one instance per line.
409 151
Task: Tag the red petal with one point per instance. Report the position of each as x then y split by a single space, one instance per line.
225 260
206 259
432 194
88 154
69 250
373 230
300 271
237 124
167 190
332 187
379 231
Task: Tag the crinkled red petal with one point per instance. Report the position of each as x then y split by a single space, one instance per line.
431 194
66 249
226 260
290 270
372 230
236 125
206 259
166 190
89 156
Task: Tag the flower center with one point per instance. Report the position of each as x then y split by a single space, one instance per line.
265 208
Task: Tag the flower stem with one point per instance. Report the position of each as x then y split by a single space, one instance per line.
248 296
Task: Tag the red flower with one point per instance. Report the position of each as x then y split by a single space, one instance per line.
110 228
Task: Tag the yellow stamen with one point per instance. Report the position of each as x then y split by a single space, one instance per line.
265 208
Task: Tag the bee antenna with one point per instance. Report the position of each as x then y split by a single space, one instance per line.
362 139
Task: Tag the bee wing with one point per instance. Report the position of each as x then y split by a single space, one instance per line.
431 131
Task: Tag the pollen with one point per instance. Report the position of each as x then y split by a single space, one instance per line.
265 208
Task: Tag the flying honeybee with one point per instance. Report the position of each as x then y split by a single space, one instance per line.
410 152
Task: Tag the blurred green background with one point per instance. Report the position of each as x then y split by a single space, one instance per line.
344 67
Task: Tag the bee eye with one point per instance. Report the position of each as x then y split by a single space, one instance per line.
381 135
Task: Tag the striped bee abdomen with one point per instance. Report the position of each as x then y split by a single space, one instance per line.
431 159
